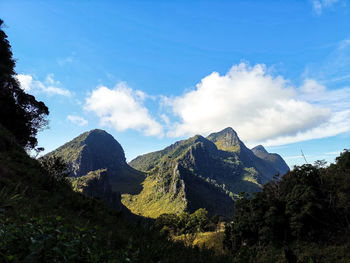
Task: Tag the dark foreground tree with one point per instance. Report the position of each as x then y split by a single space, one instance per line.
20 112
308 209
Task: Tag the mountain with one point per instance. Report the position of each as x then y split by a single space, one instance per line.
265 163
97 149
175 182
185 176
274 159
199 172
43 220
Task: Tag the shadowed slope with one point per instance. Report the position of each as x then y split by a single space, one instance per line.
96 149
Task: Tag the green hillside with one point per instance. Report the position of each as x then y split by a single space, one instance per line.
43 220
176 180
202 172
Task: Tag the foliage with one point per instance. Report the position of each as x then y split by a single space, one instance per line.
210 240
79 183
49 239
309 205
55 166
20 112
186 223
9 197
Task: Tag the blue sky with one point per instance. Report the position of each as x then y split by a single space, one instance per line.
153 72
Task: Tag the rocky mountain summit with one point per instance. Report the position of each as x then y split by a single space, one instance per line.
274 159
97 149
201 172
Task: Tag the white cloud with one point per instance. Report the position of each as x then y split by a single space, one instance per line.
25 81
336 99
122 108
80 121
261 107
319 5
49 86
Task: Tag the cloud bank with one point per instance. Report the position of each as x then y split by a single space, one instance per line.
260 107
49 86
122 108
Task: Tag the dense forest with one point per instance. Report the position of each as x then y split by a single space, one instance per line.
308 210
304 216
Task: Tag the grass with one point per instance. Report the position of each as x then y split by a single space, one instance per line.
232 148
152 203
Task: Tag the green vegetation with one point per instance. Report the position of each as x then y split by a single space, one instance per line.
55 166
150 203
306 212
195 229
80 183
149 161
186 223
209 240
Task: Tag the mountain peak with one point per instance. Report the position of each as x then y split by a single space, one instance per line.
91 150
259 148
227 140
97 131
228 130
272 158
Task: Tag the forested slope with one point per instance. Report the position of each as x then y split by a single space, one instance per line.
306 214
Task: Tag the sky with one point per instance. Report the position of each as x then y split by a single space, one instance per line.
154 72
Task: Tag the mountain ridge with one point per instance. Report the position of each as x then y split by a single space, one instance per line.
221 161
189 174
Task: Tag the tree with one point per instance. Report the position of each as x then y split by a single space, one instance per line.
20 112
55 166
309 205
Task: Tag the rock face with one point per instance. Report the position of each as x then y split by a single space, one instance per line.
203 172
226 140
97 149
90 151
274 159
